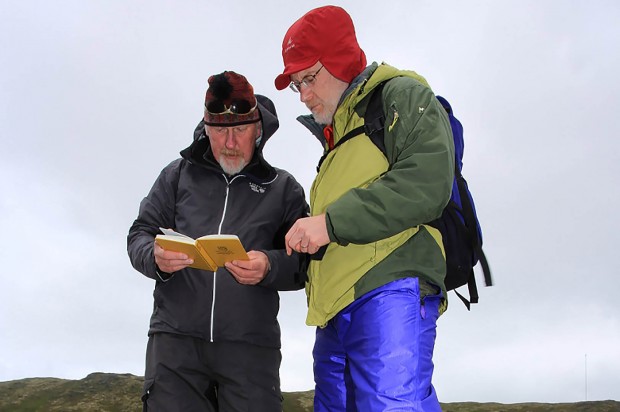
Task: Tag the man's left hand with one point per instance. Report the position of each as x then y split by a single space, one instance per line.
249 272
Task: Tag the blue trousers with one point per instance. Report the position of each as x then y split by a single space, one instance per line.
376 354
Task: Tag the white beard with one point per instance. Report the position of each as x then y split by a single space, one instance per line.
232 167
324 118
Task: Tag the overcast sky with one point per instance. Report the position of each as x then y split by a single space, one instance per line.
96 97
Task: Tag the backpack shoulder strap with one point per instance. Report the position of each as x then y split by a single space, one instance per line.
374 121
374 118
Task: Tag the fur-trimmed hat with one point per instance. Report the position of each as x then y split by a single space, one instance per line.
230 101
326 34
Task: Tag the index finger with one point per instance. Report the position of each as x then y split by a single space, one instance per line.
242 264
287 238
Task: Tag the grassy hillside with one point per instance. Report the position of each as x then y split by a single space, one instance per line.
106 392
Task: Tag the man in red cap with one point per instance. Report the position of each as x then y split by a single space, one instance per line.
376 279
214 338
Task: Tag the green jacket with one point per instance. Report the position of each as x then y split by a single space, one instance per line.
376 207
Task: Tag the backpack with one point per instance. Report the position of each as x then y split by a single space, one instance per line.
458 223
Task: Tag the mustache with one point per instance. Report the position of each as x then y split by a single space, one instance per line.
230 152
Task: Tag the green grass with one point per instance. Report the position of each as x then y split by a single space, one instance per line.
107 392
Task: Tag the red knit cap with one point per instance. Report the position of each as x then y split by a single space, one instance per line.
230 101
326 34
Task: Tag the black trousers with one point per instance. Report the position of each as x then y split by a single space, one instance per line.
190 374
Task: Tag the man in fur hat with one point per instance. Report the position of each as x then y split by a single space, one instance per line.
376 279
214 338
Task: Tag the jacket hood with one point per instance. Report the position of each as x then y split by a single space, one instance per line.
199 152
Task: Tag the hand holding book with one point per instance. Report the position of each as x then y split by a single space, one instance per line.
207 252
250 272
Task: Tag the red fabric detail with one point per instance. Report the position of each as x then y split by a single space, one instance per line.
328 132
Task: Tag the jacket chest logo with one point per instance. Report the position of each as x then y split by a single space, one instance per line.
257 188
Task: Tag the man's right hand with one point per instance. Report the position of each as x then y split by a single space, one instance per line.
169 261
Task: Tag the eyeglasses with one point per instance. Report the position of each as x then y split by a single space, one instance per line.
307 81
217 107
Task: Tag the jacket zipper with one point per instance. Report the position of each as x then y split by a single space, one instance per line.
219 232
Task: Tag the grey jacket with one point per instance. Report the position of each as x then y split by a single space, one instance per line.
195 197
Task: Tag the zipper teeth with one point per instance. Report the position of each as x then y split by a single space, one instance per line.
219 232
212 306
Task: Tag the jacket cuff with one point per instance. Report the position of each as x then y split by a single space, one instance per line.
330 231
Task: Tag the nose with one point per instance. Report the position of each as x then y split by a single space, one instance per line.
304 94
230 141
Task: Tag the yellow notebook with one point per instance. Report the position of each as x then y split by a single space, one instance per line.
209 252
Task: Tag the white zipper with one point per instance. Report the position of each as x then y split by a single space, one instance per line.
219 232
